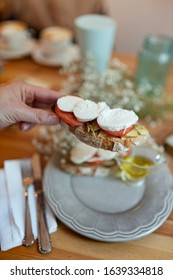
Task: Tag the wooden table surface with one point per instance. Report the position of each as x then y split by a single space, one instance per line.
68 245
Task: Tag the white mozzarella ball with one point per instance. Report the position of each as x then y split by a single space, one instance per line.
67 103
86 110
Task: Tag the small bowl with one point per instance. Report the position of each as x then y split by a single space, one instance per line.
140 163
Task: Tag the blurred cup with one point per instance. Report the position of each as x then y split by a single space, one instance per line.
54 40
13 34
96 37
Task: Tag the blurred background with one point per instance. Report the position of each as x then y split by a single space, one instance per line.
136 19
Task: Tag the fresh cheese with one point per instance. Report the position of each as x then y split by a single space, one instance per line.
82 153
103 155
116 119
86 110
102 106
106 155
67 103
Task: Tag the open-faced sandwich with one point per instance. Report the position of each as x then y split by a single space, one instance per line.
85 160
99 126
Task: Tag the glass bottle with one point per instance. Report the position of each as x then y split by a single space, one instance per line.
154 63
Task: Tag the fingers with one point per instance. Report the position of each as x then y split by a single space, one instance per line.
42 95
22 102
37 116
42 105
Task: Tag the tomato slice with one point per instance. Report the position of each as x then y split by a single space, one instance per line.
119 133
95 162
67 117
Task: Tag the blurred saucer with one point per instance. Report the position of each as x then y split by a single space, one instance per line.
71 54
17 53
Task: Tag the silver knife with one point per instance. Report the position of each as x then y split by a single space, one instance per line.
44 241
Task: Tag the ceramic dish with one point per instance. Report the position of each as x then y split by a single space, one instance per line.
104 208
17 53
71 54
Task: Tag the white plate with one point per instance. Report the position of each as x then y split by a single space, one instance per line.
17 53
104 208
71 54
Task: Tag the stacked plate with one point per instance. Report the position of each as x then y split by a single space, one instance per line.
106 209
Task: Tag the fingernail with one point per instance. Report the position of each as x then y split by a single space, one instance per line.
52 119
25 126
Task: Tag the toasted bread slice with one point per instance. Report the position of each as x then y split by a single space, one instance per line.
99 126
99 139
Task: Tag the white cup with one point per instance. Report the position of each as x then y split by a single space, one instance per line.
95 35
13 34
54 40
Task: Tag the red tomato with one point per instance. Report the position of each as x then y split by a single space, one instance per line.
67 117
119 133
95 162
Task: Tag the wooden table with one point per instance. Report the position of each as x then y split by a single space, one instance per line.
68 245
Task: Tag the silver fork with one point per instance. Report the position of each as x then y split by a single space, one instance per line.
27 179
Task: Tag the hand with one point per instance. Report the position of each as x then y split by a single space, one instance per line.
26 104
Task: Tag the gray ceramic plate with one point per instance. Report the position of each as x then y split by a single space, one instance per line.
104 208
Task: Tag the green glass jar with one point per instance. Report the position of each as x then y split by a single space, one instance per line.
154 63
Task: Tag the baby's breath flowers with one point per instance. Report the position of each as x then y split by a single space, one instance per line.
112 86
53 139
116 86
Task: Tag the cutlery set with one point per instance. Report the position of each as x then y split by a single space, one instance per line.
32 174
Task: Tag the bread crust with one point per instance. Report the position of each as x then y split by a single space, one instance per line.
115 144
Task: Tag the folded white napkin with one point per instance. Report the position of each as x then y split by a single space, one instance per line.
12 205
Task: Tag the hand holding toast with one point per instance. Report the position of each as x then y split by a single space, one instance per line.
97 125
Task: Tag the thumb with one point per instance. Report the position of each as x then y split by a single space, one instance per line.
37 116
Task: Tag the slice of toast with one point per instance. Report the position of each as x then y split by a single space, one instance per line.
99 139
110 129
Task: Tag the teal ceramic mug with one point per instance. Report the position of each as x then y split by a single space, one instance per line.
95 35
